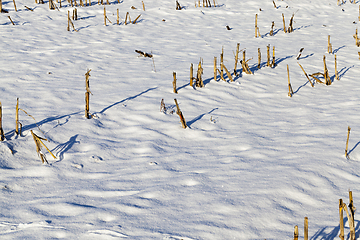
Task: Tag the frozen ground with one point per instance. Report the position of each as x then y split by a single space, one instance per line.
253 161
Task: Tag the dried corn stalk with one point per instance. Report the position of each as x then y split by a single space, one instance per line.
272 29
273 64
192 75
39 145
336 71
178 112
2 136
228 74
291 92
178 7
244 64
174 82
87 95
329 45
221 65
257 31
236 57
317 79
326 73
162 106
357 42
134 22
284 23
291 29
199 82
306 75
215 68
347 142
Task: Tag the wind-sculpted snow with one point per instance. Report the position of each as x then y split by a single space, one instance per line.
252 163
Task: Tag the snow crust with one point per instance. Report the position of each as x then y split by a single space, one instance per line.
252 163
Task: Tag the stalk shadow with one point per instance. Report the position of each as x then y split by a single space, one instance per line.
206 81
353 148
84 18
283 59
341 73
274 33
298 28
336 50
309 55
254 68
301 86
322 235
42 122
80 28
64 147
189 123
127 99
183 86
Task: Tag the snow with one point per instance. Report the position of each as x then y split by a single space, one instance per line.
252 163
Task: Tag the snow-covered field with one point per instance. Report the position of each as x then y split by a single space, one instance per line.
252 163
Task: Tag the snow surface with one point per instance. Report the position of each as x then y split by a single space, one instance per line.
253 161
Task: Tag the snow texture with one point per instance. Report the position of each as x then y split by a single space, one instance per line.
252 163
